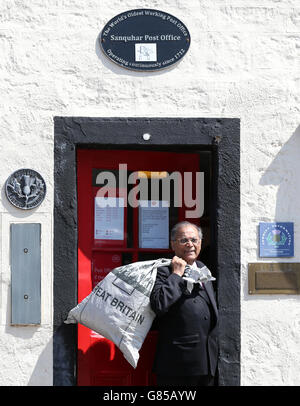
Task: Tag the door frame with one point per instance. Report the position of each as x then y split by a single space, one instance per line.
219 135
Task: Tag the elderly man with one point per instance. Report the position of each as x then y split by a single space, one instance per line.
187 349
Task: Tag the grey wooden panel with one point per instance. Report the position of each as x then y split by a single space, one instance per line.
25 251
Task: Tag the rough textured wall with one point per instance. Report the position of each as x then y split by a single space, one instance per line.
243 62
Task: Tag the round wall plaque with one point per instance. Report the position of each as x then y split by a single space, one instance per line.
25 189
145 40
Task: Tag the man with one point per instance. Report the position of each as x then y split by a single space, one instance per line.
187 349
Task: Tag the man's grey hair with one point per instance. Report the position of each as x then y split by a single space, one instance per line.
183 224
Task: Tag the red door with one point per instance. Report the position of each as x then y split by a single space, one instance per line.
113 237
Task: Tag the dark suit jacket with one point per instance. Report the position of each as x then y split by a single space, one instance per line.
187 325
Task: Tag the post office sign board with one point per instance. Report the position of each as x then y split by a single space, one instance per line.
145 40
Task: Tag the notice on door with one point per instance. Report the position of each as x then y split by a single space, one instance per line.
153 224
109 218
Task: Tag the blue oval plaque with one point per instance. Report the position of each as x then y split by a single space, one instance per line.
145 40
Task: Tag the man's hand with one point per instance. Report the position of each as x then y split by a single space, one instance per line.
178 265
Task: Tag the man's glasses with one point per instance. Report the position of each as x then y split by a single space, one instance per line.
183 241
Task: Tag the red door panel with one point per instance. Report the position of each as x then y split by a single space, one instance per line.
100 362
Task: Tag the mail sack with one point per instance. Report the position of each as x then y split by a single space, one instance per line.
119 309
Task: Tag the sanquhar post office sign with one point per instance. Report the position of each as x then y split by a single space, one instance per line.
145 40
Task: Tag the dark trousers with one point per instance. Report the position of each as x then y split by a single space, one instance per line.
197 380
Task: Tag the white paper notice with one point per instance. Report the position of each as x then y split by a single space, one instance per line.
109 218
153 224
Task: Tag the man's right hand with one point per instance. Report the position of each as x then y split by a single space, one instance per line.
178 265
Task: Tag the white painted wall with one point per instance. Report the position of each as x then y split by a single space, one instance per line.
244 61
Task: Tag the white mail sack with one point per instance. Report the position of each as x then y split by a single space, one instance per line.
119 309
